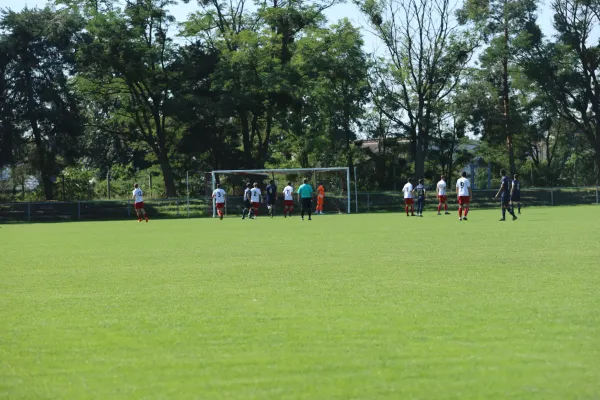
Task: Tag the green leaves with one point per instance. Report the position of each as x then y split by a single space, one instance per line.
40 109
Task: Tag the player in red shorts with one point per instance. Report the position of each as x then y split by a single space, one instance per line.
442 197
408 198
288 200
219 196
255 198
138 203
463 193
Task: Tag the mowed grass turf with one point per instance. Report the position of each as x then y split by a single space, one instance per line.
341 307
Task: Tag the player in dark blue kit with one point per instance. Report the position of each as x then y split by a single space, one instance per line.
515 193
247 202
420 192
271 197
504 192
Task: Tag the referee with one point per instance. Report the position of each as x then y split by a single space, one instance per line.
305 193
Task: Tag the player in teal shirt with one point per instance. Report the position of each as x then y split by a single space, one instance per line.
305 193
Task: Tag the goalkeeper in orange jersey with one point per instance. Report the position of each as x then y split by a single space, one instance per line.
320 199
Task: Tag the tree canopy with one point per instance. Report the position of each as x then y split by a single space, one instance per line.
97 88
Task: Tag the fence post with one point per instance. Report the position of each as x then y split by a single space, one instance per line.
596 194
128 209
150 184
108 184
551 196
368 202
187 185
355 191
29 212
79 211
177 202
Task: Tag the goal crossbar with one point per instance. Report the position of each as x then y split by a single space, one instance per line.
279 170
264 171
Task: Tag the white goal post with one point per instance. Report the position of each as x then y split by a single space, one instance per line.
284 170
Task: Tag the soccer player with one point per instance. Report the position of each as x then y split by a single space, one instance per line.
138 203
515 193
305 193
442 197
463 194
255 198
504 194
288 200
320 199
247 204
420 191
408 198
219 196
271 197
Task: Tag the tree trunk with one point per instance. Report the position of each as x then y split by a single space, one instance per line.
420 156
42 159
246 138
597 157
413 142
264 145
505 96
37 137
168 177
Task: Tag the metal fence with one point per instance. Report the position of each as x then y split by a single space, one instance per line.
362 202
531 197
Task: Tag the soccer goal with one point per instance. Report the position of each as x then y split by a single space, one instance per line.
336 182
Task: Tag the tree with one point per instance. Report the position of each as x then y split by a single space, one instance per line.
448 133
39 104
334 71
567 69
500 22
427 54
126 71
254 77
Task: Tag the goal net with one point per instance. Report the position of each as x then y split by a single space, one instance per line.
335 181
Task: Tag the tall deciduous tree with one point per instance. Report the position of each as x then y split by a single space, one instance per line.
39 104
500 22
254 76
126 70
567 67
334 71
426 54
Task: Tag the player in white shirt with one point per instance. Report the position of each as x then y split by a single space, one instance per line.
219 195
138 203
442 197
288 200
255 198
463 193
408 198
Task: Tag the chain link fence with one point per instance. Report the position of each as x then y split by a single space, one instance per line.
199 204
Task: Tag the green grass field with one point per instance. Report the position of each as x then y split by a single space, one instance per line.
341 307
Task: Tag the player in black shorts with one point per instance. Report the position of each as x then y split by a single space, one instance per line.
515 193
271 197
504 192
247 202
305 194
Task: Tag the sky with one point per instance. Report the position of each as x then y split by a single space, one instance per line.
334 14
